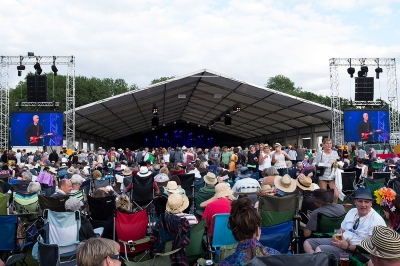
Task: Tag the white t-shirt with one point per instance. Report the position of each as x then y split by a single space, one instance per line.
266 163
18 156
365 226
166 158
246 185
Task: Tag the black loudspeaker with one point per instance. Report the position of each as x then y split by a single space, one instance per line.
154 121
228 120
36 88
364 89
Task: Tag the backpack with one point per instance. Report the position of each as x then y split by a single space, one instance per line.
112 157
23 158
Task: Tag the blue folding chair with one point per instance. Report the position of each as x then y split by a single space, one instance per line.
222 235
277 236
8 237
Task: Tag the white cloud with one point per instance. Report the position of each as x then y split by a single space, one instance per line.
143 40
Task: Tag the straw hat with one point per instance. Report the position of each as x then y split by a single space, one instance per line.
305 184
285 183
53 170
144 171
172 187
266 188
127 171
63 165
223 190
210 178
177 203
71 169
383 243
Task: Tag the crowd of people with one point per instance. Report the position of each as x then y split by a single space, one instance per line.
222 174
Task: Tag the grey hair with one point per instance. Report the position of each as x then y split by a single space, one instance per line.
27 175
76 171
299 164
271 171
34 187
76 179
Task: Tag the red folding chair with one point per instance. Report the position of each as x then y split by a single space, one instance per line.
131 230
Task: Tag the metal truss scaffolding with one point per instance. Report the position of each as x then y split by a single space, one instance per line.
390 64
7 61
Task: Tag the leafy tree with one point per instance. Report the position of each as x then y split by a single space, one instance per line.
87 90
154 81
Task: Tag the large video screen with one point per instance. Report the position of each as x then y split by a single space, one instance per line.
37 128
364 125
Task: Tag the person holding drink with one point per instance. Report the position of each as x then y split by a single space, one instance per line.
356 226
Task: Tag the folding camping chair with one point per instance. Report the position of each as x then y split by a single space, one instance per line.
315 259
187 183
326 225
348 182
25 203
8 238
212 168
222 234
281 211
49 255
96 184
56 204
198 184
20 186
78 194
248 191
100 210
195 249
132 242
63 230
142 192
395 185
161 186
374 184
4 199
4 178
380 175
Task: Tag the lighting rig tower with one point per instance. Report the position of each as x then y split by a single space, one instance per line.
364 63
37 61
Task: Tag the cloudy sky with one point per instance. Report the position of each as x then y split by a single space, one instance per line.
248 40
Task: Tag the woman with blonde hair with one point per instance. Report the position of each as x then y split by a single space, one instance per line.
165 155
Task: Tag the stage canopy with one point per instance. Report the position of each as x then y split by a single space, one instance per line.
198 98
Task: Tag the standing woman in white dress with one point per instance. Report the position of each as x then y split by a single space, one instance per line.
328 157
278 158
264 160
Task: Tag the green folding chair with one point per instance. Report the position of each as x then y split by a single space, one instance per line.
326 225
195 248
4 198
375 184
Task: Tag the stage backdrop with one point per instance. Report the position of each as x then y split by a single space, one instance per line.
367 125
47 132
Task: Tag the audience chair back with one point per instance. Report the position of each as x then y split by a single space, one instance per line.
100 209
4 199
380 175
26 203
49 255
315 259
222 235
326 225
142 193
187 183
56 204
348 185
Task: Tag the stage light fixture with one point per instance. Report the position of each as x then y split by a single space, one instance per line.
377 71
351 71
154 121
155 109
218 120
54 69
37 68
31 54
20 68
238 109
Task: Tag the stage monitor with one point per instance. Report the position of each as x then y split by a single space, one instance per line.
42 128
366 125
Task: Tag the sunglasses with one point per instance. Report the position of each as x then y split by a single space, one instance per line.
114 257
356 223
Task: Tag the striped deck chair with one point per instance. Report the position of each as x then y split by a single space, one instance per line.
25 203
63 230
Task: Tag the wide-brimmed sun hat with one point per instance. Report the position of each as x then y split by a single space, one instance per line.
285 183
144 171
244 172
63 165
172 187
177 203
383 243
305 184
223 190
266 188
127 171
323 196
210 178
70 170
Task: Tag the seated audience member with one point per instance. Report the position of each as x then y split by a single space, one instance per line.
23 182
206 192
173 187
144 173
323 199
269 175
356 226
122 205
45 177
390 202
96 175
220 203
64 188
305 187
285 185
86 230
245 223
33 187
246 184
98 251
100 193
383 246
191 169
76 181
177 170
162 175
176 204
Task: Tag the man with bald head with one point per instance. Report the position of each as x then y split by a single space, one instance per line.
33 132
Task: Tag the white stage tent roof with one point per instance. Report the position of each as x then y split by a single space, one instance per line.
208 94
